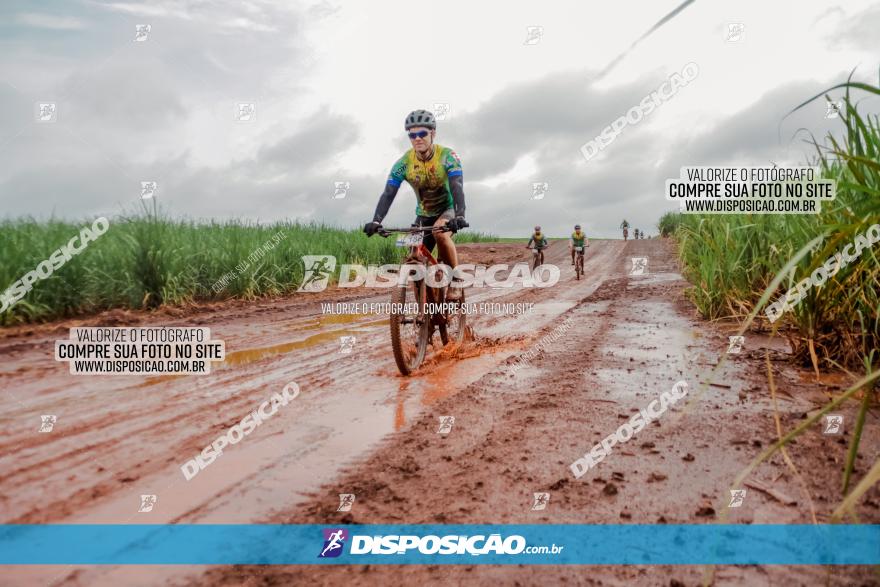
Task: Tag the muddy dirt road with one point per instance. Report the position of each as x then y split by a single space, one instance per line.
359 427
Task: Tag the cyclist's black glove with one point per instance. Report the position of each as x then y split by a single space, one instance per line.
457 224
371 228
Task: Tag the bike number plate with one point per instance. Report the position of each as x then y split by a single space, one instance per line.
579 249
409 240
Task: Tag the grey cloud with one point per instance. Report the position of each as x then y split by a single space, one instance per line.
859 31
627 179
133 95
206 56
765 129
322 138
49 21
292 178
123 101
558 112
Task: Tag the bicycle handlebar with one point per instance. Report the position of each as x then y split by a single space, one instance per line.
386 232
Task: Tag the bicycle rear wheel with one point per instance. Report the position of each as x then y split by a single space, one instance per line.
409 331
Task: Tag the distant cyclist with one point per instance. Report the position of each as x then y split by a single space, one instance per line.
578 239
538 238
625 226
434 173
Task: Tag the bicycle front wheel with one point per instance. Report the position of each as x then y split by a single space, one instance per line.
454 327
409 330
538 260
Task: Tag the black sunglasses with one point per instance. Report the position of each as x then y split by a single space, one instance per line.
418 135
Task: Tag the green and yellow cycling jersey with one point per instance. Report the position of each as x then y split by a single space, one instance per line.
429 179
539 239
578 238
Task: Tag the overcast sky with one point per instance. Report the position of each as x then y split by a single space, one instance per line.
333 81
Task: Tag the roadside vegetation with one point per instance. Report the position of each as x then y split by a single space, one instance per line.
148 260
741 263
669 223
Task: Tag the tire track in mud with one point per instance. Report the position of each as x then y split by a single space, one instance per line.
516 434
119 437
513 435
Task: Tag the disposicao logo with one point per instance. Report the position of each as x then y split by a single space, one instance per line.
318 269
334 541
431 545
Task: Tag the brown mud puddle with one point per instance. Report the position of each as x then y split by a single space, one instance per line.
517 433
359 427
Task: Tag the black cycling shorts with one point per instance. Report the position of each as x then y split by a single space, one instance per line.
429 241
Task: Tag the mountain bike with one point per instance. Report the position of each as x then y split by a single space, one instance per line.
579 262
537 257
625 233
412 330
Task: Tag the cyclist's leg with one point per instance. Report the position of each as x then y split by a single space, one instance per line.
428 239
446 250
445 245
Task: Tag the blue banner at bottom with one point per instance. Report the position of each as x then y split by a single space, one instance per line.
532 544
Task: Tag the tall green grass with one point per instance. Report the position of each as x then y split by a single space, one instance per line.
669 223
740 263
732 259
148 260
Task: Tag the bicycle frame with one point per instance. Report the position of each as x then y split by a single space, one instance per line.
419 253
430 319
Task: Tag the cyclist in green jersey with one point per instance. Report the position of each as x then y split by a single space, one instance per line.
434 173
538 238
577 239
